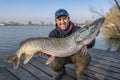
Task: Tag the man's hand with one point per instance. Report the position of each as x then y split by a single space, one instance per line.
41 53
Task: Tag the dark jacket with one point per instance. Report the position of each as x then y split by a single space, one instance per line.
58 33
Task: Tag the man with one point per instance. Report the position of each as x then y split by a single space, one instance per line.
81 59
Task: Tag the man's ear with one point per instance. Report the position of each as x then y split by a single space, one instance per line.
69 18
55 20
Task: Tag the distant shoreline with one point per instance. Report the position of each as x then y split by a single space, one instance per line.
27 25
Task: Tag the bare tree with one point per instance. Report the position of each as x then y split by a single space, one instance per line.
117 4
111 26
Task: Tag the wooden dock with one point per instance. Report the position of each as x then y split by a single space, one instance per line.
104 66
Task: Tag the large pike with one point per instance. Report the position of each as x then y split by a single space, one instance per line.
56 47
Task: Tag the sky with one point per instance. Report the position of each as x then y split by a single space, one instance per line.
44 10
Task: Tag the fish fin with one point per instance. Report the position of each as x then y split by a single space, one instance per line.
50 60
83 50
27 58
14 60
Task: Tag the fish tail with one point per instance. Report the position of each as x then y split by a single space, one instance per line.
14 59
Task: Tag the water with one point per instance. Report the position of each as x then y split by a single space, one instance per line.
11 36
101 43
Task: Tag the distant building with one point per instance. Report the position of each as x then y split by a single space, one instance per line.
2 24
30 23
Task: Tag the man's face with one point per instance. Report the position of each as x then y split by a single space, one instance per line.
62 21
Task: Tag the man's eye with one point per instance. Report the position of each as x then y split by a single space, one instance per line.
65 18
59 19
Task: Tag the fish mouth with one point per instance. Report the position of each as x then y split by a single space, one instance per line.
96 25
102 19
99 21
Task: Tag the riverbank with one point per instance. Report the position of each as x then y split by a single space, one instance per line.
105 65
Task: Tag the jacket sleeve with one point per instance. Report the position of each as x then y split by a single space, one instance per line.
52 34
91 44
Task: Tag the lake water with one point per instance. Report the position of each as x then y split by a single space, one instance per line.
11 36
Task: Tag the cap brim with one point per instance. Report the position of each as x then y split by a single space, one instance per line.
61 15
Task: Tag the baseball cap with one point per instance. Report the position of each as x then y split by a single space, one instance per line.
61 12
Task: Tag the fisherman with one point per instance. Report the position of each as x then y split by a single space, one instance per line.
81 59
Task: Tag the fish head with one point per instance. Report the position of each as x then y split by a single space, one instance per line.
89 31
96 25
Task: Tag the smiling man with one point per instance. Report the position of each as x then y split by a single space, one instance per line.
81 59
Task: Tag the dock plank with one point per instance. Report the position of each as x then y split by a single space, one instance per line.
36 72
103 53
22 74
104 65
40 63
4 73
69 71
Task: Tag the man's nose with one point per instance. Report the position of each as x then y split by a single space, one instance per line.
62 20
